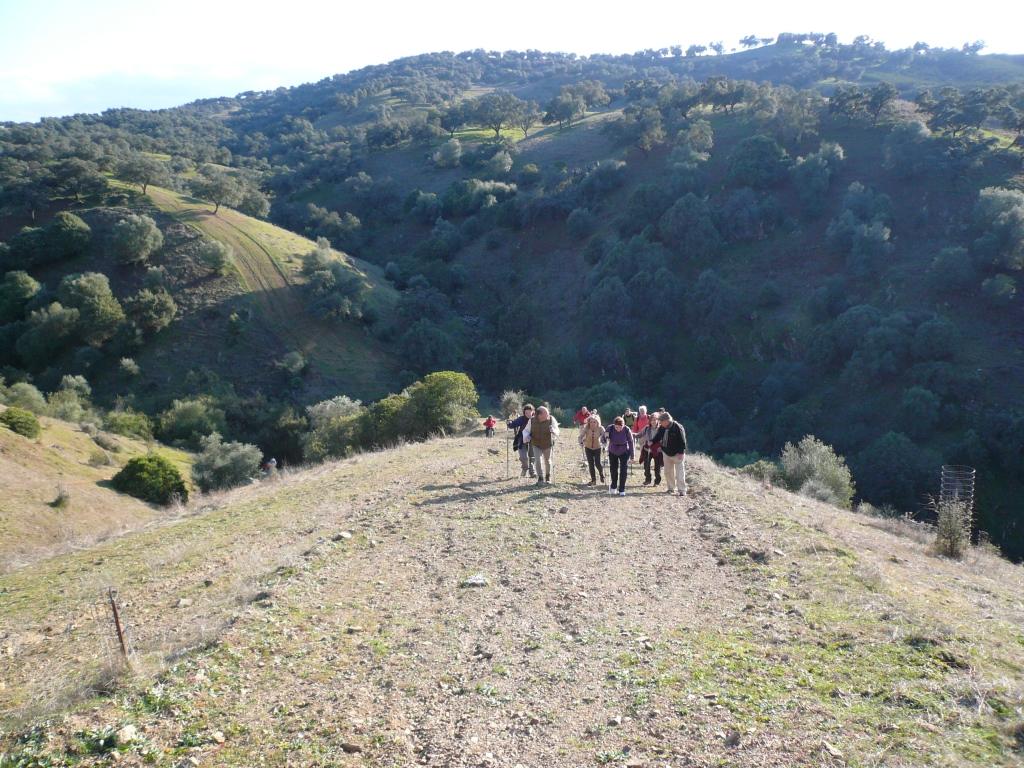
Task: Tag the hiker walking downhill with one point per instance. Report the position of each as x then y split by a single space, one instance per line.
489 423
620 454
650 452
521 446
541 432
672 438
592 438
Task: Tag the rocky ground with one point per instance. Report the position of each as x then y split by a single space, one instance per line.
414 607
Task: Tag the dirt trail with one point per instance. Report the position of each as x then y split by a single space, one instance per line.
640 631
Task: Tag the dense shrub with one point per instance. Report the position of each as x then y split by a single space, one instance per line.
151 310
129 423
187 421
99 312
134 238
151 478
65 237
688 226
757 162
16 290
581 223
811 461
223 465
215 256
442 401
21 421
335 436
51 329
341 406
23 395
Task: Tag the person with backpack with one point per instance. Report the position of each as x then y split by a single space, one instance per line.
650 452
621 447
592 438
523 447
671 436
541 432
629 418
489 423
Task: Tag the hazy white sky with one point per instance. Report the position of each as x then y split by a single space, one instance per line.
63 56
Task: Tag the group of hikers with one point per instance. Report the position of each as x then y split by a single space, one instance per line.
661 440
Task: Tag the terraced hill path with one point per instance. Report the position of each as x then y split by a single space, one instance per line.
413 607
264 256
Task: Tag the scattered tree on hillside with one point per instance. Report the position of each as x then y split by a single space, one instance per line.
527 117
78 178
880 99
217 186
563 109
143 170
497 110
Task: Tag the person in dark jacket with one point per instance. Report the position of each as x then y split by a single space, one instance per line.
620 454
672 438
521 446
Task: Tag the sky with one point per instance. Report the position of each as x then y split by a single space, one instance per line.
61 57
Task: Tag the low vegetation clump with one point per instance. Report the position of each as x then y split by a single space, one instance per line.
21 421
224 465
151 478
813 469
952 528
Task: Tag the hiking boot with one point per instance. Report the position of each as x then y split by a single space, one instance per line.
592 482
611 491
657 483
682 492
670 490
523 473
540 481
548 479
622 493
647 481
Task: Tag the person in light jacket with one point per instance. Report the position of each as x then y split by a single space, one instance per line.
592 438
672 438
621 449
541 433
650 452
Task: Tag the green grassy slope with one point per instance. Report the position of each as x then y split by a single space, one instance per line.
343 357
320 621
64 457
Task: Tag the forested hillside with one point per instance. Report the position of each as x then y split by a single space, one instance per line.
802 237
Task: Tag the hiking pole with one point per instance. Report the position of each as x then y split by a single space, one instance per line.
508 472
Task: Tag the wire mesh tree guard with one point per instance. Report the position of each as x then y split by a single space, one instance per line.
957 485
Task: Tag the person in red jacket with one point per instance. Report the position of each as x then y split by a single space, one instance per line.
581 416
489 423
642 420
